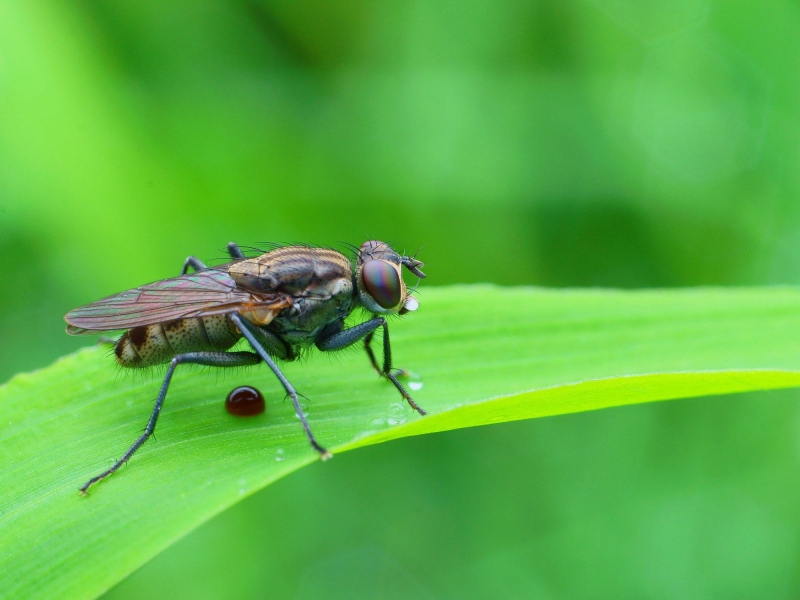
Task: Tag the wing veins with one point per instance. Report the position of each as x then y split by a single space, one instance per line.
198 294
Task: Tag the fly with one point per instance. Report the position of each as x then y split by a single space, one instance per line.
286 300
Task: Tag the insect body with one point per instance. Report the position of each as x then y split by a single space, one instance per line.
281 302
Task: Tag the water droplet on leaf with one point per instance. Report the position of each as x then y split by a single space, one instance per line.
304 408
397 414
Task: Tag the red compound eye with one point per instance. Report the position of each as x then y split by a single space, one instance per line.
382 282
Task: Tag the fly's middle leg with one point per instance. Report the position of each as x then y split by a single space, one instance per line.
254 336
365 331
210 359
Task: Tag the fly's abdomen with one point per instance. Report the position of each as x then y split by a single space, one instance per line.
221 332
157 343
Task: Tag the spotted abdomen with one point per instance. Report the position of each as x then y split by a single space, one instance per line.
157 343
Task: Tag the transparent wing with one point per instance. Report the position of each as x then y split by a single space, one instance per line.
204 293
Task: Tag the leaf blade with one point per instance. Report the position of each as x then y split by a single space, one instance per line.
502 354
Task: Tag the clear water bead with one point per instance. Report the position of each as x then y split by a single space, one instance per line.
397 414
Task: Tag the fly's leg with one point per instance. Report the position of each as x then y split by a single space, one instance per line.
337 340
387 371
274 345
374 362
254 336
387 367
210 359
198 265
193 262
370 353
234 251
365 331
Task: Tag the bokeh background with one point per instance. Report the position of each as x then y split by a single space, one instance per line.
624 143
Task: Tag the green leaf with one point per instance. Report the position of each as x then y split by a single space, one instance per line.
483 354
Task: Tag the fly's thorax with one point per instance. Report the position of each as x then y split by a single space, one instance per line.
313 311
379 280
340 291
317 284
292 270
250 275
157 343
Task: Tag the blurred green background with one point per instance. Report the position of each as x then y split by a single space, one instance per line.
620 143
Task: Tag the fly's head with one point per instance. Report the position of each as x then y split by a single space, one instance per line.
379 280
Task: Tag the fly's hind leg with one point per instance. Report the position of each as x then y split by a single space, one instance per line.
255 336
210 359
365 331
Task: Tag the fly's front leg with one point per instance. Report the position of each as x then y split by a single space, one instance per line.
368 347
365 331
252 335
210 359
387 370
374 362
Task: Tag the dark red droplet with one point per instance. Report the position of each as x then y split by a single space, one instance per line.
245 401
